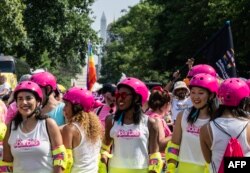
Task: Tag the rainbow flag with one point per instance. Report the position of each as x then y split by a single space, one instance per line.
91 74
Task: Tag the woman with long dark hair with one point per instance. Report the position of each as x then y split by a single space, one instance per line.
33 142
231 120
185 145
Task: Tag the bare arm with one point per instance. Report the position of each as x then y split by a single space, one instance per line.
205 141
107 139
5 91
177 133
67 136
7 156
153 135
162 139
56 139
169 85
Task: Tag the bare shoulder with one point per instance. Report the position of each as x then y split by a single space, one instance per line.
109 121
51 123
153 123
68 128
179 116
203 130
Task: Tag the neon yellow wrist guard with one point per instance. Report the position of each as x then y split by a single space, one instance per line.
172 151
70 161
3 129
105 147
155 162
6 167
171 168
59 156
102 167
105 150
206 170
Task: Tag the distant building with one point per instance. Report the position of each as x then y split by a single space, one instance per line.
104 28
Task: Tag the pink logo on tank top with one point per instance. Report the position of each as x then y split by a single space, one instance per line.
193 129
128 133
26 143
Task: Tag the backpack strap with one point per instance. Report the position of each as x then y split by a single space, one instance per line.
47 129
221 129
99 110
224 131
242 130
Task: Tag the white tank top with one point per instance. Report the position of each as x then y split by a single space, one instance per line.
232 126
85 155
179 106
31 151
190 149
130 149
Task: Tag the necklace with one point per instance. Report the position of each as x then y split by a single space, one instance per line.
25 128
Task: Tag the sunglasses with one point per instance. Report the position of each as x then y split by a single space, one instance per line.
123 95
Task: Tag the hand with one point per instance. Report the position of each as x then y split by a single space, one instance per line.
190 62
176 75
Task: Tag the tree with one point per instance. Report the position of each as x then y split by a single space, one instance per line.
57 30
130 49
12 30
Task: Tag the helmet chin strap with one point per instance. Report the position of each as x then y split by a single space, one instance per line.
38 107
47 96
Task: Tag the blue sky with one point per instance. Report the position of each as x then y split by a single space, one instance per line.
111 8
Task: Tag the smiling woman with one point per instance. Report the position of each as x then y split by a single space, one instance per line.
32 132
130 127
185 145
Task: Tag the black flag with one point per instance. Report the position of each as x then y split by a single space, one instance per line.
219 52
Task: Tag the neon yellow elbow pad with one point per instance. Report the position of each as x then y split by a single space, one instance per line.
3 129
155 162
172 151
69 162
59 156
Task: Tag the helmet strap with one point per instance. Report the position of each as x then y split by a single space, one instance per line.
48 92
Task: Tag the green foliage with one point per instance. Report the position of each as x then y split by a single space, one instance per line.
12 30
156 37
131 51
49 34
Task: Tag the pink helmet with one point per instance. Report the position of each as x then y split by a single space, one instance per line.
138 86
201 68
248 83
44 79
29 86
80 96
206 81
232 91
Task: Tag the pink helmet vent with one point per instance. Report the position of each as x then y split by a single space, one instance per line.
205 81
80 96
29 86
232 91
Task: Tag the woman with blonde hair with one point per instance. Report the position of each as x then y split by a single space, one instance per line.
82 135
